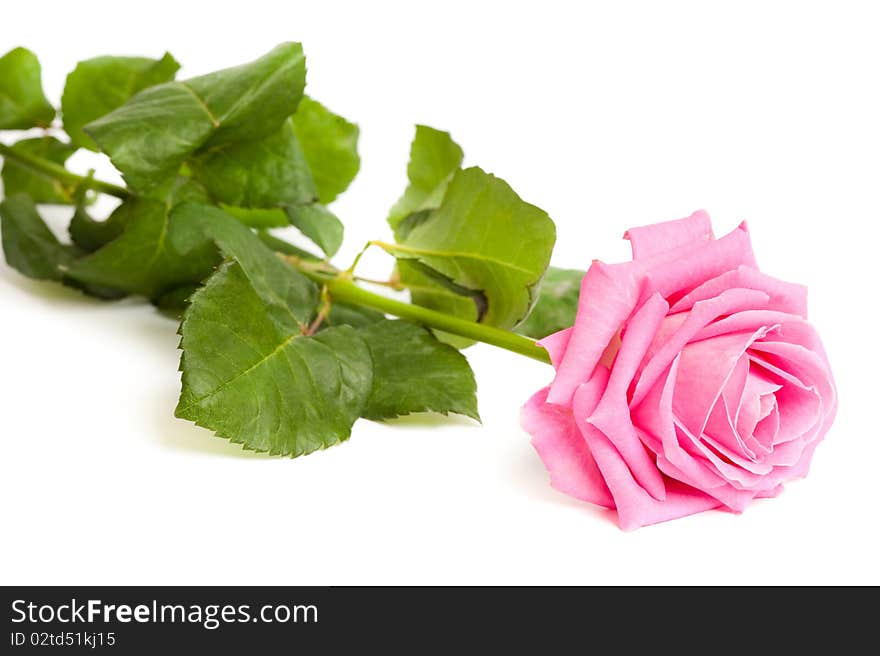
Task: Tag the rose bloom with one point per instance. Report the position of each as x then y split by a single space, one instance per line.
690 380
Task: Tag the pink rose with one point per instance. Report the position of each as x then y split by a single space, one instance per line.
690 380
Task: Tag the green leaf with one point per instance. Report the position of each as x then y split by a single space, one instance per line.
279 245
270 173
153 134
22 102
412 221
143 259
329 144
318 224
425 290
433 159
90 235
265 173
254 252
98 86
19 178
259 218
253 377
342 314
275 280
28 244
557 303
485 238
32 249
174 302
413 372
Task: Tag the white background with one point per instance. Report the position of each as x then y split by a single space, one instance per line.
607 115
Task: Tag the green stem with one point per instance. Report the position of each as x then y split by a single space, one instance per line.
344 290
58 172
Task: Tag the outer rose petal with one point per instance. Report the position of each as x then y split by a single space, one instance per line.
635 507
556 345
608 296
695 266
560 445
653 240
612 415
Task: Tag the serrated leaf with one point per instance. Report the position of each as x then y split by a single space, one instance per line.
156 131
255 253
487 239
19 178
98 86
22 102
277 282
414 372
253 377
557 303
28 244
433 159
329 143
143 259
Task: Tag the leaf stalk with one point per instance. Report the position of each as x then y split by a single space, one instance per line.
57 172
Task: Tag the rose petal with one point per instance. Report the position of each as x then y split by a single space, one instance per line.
803 465
608 296
751 409
804 363
704 370
612 414
732 300
741 473
733 389
768 494
635 507
765 433
784 296
658 238
731 498
721 428
655 416
799 411
682 274
563 450
787 454
556 344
